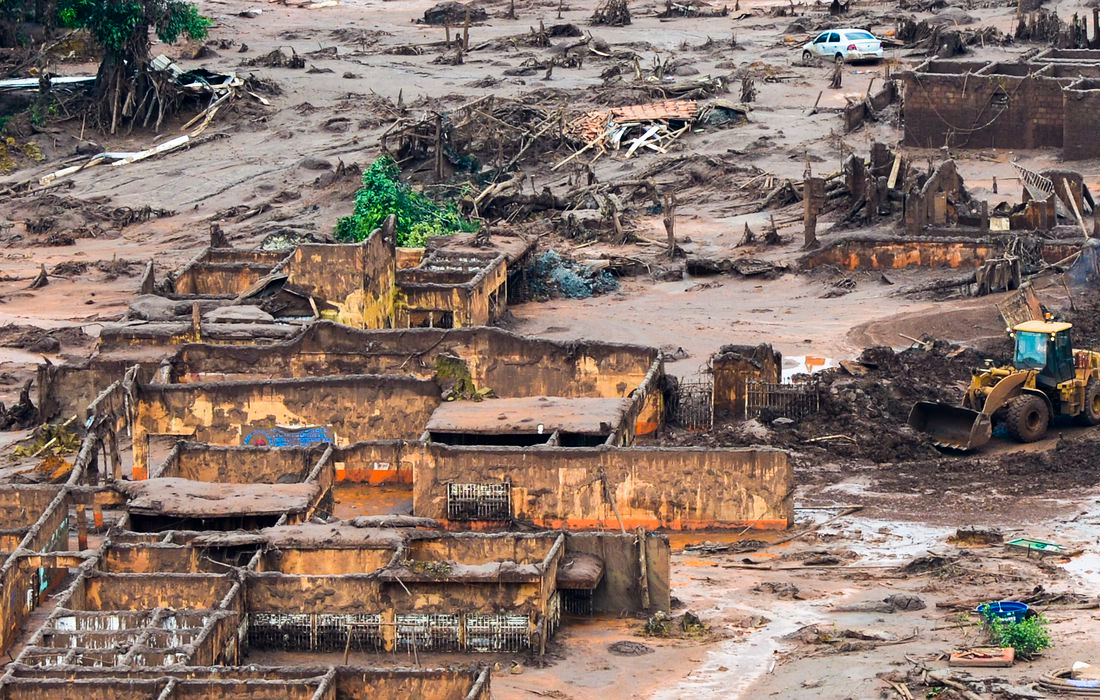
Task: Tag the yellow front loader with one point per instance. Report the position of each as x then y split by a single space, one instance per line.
1047 378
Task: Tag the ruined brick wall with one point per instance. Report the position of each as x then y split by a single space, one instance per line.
44 529
621 589
243 255
935 203
218 279
513 365
480 548
240 465
981 111
450 684
419 301
145 557
104 592
358 278
362 593
732 367
67 390
475 300
333 561
669 488
1080 140
375 463
297 683
877 254
354 408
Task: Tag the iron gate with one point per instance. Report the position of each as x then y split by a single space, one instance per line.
770 401
479 501
692 405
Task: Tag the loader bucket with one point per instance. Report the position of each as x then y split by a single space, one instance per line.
951 426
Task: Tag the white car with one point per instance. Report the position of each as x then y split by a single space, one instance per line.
844 45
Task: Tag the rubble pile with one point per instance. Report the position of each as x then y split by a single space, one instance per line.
551 275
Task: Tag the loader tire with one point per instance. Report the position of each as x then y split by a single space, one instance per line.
1027 418
1090 415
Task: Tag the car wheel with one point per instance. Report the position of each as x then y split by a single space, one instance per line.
839 58
807 56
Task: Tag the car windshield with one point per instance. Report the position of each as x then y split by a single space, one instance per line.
859 35
1031 350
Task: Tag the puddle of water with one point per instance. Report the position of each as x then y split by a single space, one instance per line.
736 664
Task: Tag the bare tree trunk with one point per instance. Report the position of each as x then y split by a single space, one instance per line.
668 206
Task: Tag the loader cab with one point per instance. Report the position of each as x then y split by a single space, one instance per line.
1045 346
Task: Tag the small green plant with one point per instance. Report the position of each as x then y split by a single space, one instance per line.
455 369
1029 637
418 217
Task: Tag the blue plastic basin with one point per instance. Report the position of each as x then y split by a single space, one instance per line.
1006 610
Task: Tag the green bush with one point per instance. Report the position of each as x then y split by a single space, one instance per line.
418 217
1028 637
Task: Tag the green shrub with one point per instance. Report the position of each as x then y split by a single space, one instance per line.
418 217
113 23
1028 637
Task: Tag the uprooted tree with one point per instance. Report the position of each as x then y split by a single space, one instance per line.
127 89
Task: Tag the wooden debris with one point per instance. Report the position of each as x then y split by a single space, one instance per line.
612 13
41 280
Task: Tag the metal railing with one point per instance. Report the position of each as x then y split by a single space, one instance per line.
769 400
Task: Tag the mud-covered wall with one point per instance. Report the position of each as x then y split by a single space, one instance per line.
476 548
220 279
331 561
355 408
379 462
365 594
471 303
424 305
150 591
22 586
299 683
67 390
621 588
514 366
240 465
85 689
142 558
358 278
243 255
350 684
403 685
22 505
669 488
879 254
732 367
